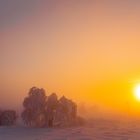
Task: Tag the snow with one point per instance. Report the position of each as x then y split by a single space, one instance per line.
95 130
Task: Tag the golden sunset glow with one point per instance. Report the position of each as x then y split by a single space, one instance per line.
71 64
85 50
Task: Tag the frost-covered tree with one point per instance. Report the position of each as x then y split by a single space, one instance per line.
34 108
40 110
51 107
66 112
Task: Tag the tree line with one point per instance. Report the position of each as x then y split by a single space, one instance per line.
44 111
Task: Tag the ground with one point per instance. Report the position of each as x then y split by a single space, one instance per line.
96 130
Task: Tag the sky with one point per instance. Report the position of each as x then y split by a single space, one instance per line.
87 50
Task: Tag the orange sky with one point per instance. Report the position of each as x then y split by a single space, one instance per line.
88 51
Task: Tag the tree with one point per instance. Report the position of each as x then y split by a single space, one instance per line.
34 108
66 112
40 110
51 107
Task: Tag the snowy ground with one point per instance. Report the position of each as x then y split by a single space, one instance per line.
97 130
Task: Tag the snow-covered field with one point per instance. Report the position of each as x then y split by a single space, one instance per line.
96 130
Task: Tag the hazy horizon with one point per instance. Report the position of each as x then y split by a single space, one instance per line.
88 51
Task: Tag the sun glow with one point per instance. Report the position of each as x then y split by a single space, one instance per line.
137 91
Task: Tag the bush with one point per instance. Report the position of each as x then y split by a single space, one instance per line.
8 117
